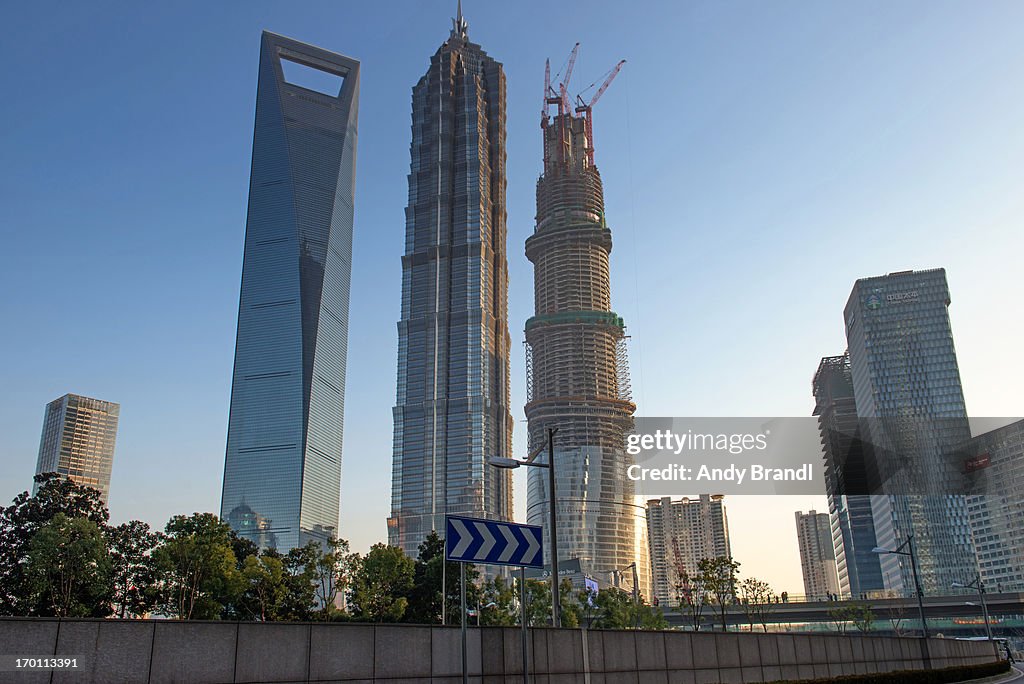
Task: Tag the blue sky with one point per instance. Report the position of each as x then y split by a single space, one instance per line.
758 157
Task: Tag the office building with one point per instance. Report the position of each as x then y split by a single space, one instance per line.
282 471
846 479
817 555
78 441
994 461
452 409
577 373
680 534
907 383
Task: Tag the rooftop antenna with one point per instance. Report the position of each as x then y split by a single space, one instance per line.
459 25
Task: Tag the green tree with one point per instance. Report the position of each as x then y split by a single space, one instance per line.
133 572
538 608
499 605
758 601
718 577
199 575
853 612
24 517
299 566
429 572
613 608
693 597
67 569
381 583
265 587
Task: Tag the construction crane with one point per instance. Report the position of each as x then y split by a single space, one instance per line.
558 97
563 87
586 109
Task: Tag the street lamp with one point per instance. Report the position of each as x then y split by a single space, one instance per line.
977 584
501 462
909 543
636 582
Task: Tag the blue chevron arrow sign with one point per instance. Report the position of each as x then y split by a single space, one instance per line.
473 540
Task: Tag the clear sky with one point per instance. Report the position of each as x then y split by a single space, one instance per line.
758 157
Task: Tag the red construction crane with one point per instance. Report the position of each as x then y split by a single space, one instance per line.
586 109
563 87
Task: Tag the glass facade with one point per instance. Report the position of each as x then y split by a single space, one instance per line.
78 441
905 373
282 472
451 412
853 525
996 461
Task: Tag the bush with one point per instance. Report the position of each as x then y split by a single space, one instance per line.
946 675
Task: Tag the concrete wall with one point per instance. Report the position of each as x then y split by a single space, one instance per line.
159 651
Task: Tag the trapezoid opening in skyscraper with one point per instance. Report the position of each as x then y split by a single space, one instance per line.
282 470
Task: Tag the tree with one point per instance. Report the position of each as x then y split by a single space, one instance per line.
381 583
332 574
853 612
429 572
498 605
133 574
718 576
265 585
199 576
614 608
693 597
758 601
24 517
67 569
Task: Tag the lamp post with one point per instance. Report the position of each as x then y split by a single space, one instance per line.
977 584
498 462
909 544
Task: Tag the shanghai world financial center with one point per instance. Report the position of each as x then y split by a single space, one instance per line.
282 471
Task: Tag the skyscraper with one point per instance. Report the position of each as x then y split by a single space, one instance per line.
853 526
817 555
282 472
906 379
995 463
578 379
78 441
681 533
452 408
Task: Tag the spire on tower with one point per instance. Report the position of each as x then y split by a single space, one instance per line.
459 25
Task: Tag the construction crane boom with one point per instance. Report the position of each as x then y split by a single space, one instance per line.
564 85
607 82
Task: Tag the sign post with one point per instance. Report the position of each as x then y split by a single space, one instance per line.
522 607
491 542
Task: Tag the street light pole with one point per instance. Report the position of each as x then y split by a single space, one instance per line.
501 462
917 586
556 600
980 586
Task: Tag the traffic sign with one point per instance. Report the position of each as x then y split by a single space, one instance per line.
473 540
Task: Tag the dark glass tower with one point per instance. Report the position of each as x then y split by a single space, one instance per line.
853 526
451 412
905 377
282 473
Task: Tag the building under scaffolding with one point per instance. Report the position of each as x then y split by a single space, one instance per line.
576 358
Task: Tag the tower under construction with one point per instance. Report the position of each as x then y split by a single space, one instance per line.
577 369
